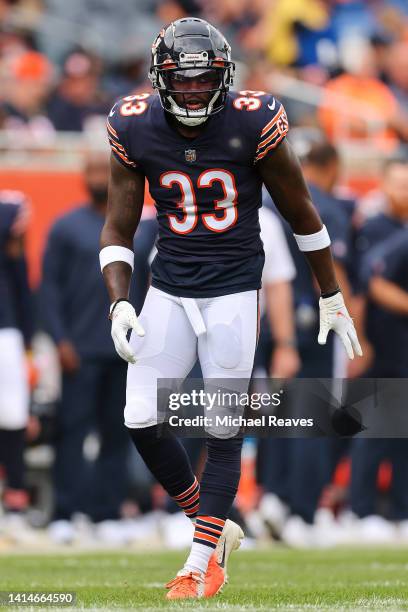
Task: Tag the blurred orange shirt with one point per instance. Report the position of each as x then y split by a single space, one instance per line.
361 99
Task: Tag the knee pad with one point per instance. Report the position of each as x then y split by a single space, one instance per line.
225 344
141 396
141 408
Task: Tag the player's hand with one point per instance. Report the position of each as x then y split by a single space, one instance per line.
334 315
124 318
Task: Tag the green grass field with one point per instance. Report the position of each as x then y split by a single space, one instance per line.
259 580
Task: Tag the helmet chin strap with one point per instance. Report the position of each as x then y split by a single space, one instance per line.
194 117
191 121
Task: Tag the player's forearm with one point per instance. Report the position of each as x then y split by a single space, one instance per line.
282 176
125 203
321 262
389 295
117 274
305 221
113 236
117 277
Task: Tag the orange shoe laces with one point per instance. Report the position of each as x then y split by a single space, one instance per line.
184 581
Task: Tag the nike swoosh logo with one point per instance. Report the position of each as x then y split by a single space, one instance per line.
222 562
112 112
272 106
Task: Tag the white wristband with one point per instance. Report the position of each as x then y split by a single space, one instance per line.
313 242
110 254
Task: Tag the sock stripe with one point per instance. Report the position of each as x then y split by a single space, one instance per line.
209 530
204 536
212 520
193 510
190 506
190 500
190 489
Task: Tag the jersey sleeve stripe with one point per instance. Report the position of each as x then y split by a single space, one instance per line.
125 159
263 143
272 146
111 130
117 148
113 143
272 122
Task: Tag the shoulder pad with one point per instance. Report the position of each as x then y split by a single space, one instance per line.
119 123
267 118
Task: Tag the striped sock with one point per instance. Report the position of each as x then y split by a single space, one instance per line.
189 500
208 530
206 535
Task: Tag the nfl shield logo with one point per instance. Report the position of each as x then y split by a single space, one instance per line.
190 155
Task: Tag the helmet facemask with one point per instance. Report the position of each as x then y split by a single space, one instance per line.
174 80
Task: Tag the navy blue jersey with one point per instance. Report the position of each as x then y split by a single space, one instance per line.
382 326
390 259
13 212
388 331
207 190
371 234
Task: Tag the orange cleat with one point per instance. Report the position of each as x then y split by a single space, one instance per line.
216 575
186 585
193 585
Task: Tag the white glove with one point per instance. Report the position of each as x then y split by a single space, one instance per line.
334 315
124 318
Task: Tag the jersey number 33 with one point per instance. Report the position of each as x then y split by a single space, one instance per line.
227 206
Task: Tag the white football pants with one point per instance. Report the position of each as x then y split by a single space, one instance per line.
221 331
14 392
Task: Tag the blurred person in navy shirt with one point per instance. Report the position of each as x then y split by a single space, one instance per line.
16 317
298 469
380 227
73 307
384 276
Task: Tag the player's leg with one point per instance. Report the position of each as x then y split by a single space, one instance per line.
226 353
168 350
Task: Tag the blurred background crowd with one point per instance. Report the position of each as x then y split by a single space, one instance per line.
67 472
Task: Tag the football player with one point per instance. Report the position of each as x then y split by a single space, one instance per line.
205 152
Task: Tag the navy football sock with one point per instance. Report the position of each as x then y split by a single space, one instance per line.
168 461
219 483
